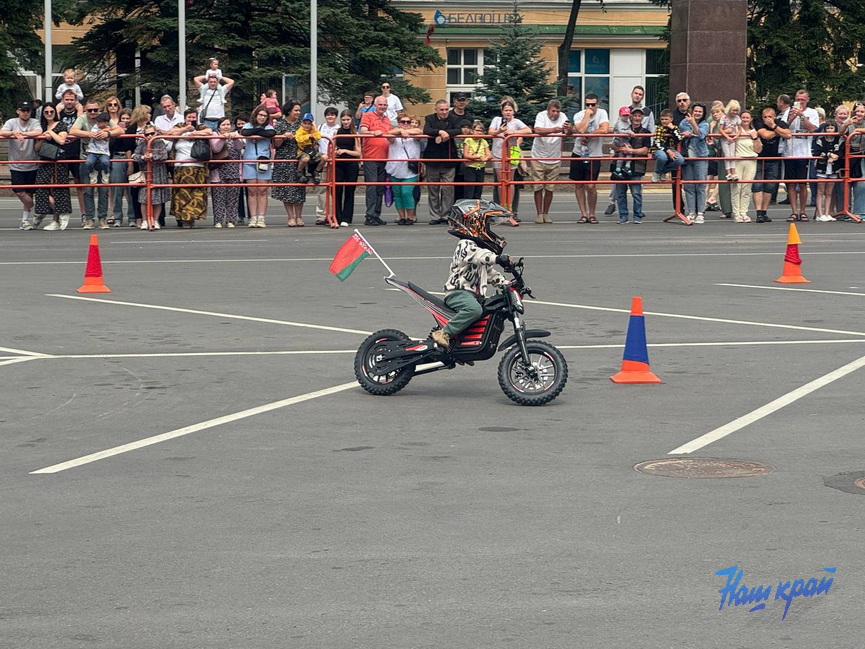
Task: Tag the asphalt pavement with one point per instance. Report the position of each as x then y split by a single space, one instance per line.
188 461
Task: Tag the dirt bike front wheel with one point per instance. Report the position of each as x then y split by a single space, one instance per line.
365 360
537 383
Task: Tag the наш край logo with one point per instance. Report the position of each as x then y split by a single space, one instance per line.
736 593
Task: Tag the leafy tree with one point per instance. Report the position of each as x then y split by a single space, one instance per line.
19 43
811 44
359 43
517 71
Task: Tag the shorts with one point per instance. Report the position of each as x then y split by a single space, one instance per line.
541 172
75 171
796 169
23 181
767 170
713 168
584 168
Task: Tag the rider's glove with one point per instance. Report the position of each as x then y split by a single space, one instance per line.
504 261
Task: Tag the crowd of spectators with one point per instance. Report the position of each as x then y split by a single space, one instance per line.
727 158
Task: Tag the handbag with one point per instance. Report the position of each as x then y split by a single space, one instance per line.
137 177
50 151
200 150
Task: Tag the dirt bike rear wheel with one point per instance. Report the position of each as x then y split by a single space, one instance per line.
535 385
364 362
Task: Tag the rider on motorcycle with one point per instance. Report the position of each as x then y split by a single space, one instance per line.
472 269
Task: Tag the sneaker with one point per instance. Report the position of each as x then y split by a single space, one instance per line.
691 217
700 218
54 225
143 226
88 224
539 218
103 224
373 222
638 220
656 177
133 224
156 225
547 218
441 338
253 222
64 221
94 177
37 221
117 223
610 209
746 219
713 207
218 225
343 224
622 221
733 178
316 178
739 219
25 225
230 225
261 222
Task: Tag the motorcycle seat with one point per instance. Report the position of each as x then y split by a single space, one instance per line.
437 301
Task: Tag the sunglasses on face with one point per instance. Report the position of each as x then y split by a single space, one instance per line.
92 110
591 103
385 87
47 112
112 104
405 121
681 101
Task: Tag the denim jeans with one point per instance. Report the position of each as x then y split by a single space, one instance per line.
97 162
695 194
94 206
664 164
636 194
118 175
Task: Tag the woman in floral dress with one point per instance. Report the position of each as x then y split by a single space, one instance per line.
286 172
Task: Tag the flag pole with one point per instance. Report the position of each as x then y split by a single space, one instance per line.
357 232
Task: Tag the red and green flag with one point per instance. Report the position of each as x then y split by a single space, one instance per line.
350 254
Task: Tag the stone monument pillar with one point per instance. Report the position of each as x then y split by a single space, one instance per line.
707 50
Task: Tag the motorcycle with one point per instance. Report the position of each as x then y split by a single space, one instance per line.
531 372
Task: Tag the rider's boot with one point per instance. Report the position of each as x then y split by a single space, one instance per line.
440 337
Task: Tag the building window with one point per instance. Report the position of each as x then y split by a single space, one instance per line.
464 66
589 72
657 90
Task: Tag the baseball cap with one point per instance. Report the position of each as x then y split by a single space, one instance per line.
103 117
637 110
25 105
307 117
460 95
624 111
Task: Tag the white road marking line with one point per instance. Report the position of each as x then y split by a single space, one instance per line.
768 409
786 288
212 313
12 361
187 430
722 344
187 354
704 319
20 351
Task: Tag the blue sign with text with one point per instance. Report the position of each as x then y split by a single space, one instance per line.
736 593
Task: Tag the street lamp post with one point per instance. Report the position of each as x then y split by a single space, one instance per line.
49 64
313 57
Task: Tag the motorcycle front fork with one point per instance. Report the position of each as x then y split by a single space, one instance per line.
520 329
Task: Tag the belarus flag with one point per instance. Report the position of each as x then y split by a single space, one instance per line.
350 254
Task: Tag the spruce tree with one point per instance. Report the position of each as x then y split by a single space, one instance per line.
515 70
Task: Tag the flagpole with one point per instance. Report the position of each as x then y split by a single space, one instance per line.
392 274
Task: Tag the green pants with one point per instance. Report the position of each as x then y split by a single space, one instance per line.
467 307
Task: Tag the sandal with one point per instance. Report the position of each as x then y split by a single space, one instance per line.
300 223
110 220
292 223
803 217
791 218
592 219
584 219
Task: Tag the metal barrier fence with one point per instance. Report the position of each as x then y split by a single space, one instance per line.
506 182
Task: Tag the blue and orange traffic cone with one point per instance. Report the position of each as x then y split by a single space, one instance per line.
635 362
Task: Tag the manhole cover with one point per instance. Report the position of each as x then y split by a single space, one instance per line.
703 467
852 482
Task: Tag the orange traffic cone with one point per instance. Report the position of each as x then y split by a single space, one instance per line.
792 272
635 362
93 273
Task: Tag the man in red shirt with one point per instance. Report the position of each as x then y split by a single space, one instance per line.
375 123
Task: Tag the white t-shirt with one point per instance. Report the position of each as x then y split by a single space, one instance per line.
216 106
799 147
326 132
596 144
166 123
394 105
548 147
97 146
22 149
497 143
